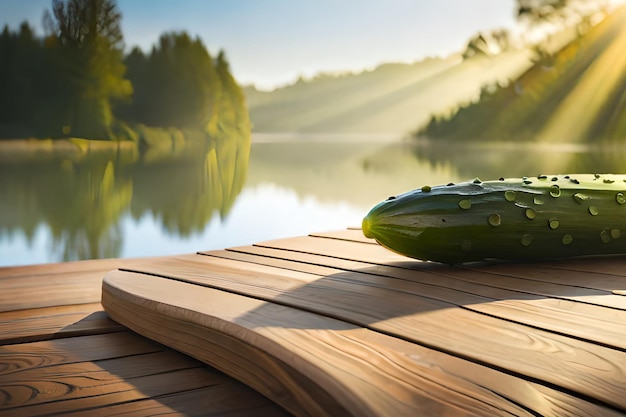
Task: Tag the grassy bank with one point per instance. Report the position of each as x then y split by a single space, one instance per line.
150 142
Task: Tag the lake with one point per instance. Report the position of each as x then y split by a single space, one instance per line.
63 205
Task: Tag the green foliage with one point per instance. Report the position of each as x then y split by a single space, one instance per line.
489 43
76 82
199 186
179 85
230 108
538 12
24 74
82 190
176 85
89 41
574 95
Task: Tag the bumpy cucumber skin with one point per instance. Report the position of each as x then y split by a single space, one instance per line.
529 218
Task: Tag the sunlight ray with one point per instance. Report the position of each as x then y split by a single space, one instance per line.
584 104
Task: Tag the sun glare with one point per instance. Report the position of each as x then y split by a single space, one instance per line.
586 103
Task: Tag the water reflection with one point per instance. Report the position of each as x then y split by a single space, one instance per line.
184 193
81 198
494 160
207 195
365 173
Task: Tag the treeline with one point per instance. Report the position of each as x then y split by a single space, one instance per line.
82 200
575 95
76 80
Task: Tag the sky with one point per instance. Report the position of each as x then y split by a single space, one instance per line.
271 43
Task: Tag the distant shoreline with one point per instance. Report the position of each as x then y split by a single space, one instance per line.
68 143
71 147
295 137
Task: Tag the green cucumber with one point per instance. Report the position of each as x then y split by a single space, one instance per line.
529 218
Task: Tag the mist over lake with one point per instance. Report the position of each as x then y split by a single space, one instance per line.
113 150
117 204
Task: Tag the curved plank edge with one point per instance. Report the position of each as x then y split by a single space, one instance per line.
141 303
310 365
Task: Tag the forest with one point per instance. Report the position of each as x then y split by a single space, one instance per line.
77 81
574 95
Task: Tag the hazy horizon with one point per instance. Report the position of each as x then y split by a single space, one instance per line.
272 43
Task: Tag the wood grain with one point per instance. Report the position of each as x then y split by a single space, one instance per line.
69 387
223 400
97 374
310 364
332 324
593 371
589 322
49 285
54 322
365 252
599 272
374 254
24 356
553 273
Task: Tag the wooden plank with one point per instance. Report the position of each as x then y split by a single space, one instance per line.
612 265
584 321
545 288
327 367
54 322
374 254
589 322
489 295
317 259
106 390
351 235
121 371
25 292
21 357
542 289
63 388
65 268
593 371
56 268
48 285
558 273
600 272
232 400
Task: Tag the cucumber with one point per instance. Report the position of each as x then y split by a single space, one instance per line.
528 218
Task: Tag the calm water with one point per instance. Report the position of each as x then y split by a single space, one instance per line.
125 204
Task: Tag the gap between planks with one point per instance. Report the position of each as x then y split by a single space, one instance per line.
526 282
388 376
595 266
583 321
45 323
93 375
487 340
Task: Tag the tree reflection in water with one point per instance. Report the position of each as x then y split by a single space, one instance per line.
83 198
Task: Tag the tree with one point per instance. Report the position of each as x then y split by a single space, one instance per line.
20 54
90 45
176 85
231 112
488 43
540 9
537 11
68 83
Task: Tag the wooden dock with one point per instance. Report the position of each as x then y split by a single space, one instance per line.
329 324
